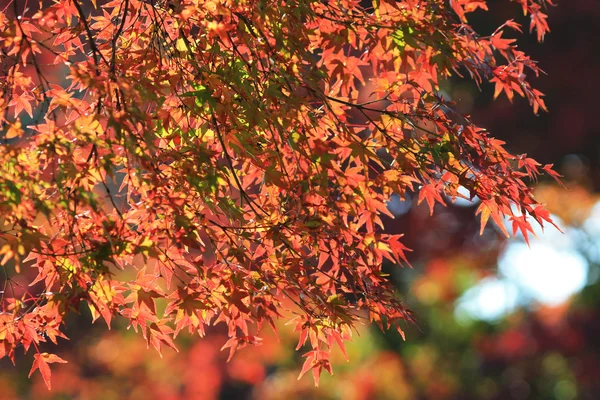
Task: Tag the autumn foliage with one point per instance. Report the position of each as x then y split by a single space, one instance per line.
231 161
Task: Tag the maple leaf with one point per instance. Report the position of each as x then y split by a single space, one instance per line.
520 223
316 360
529 164
513 25
431 193
487 209
500 43
458 9
41 361
540 214
398 249
14 131
555 175
22 102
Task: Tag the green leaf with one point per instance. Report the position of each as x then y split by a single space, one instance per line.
203 95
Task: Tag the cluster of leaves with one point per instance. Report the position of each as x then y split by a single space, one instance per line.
238 158
547 352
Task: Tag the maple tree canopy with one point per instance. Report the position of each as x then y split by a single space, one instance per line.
232 159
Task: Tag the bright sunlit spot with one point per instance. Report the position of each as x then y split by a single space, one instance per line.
548 272
592 223
543 272
490 300
591 226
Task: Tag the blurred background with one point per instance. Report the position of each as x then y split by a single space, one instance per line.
496 319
